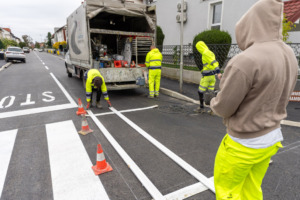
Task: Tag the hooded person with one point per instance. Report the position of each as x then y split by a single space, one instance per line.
95 83
153 63
254 92
210 68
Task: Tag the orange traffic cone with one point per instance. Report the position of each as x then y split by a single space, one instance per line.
85 129
80 108
101 165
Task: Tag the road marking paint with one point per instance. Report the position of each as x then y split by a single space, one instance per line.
169 153
290 123
36 110
125 111
43 63
46 67
12 99
188 191
28 102
150 187
7 141
71 168
64 90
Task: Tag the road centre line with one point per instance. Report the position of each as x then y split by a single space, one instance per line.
7 142
46 67
71 172
290 123
169 153
125 111
153 191
188 191
64 90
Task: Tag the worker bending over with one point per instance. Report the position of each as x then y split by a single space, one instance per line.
210 68
153 62
95 83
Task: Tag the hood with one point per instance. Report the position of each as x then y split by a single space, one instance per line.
155 50
201 47
262 23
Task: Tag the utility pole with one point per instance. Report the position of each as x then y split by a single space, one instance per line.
181 47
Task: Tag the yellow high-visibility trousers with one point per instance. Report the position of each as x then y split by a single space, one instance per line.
239 170
207 82
154 82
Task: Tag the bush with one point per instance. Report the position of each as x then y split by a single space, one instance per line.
159 36
213 39
1 45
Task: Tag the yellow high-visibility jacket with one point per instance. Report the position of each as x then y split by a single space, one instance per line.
154 59
92 73
210 64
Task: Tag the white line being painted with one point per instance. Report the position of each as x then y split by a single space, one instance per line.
154 192
46 67
203 179
64 90
125 111
188 191
7 141
290 123
28 101
71 168
36 110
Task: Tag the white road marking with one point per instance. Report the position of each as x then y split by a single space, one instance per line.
43 63
154 192
46 67
51 98
290 123
71 169
203 179
7 141
36 110
12 99
125 111
64 90
28 102
188 191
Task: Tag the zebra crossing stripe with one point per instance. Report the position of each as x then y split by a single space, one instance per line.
71 172
7 142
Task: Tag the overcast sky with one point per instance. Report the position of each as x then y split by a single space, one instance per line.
35 17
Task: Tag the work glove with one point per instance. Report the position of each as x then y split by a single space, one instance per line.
88 105
109 104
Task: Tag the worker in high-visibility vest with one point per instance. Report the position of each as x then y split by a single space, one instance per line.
210 68
153 63
95 83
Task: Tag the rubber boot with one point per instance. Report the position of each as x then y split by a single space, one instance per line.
98 105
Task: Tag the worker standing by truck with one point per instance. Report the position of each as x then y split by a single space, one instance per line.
210 68
153 62
95 83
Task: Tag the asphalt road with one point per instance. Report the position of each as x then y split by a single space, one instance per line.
45 158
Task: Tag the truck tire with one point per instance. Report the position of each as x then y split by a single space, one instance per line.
69 74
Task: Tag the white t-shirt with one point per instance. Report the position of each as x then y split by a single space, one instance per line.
261 142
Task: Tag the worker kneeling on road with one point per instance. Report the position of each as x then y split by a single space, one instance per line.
95 83
210 68
153 62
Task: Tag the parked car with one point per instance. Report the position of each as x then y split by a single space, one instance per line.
14 53
40 50
26 50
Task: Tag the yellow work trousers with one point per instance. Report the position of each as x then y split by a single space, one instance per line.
239 170
207 82
154 82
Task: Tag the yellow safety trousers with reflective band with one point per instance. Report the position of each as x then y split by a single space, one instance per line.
153 62
239 170
207 82
92 73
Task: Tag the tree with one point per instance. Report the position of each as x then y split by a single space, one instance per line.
49 44
22 44
7 42
37 45
286 27
159 36
1 45
27 39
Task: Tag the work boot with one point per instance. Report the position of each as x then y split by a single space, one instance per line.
210 112
98 105
150 97
156 96
199 110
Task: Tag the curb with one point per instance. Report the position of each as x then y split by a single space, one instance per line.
5 66
178 95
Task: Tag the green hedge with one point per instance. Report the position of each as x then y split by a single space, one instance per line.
211 39
159 36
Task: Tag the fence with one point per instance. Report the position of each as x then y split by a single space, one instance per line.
192 58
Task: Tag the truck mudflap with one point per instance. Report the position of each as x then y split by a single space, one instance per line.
118 75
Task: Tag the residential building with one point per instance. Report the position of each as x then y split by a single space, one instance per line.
60 34
201 15
292 11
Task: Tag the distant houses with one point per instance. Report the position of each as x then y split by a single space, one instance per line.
5 33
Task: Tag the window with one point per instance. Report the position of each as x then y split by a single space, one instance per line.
216 14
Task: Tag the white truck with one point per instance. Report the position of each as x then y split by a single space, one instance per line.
113 36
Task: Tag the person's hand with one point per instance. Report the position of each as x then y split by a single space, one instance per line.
88 105
219 76
109 104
